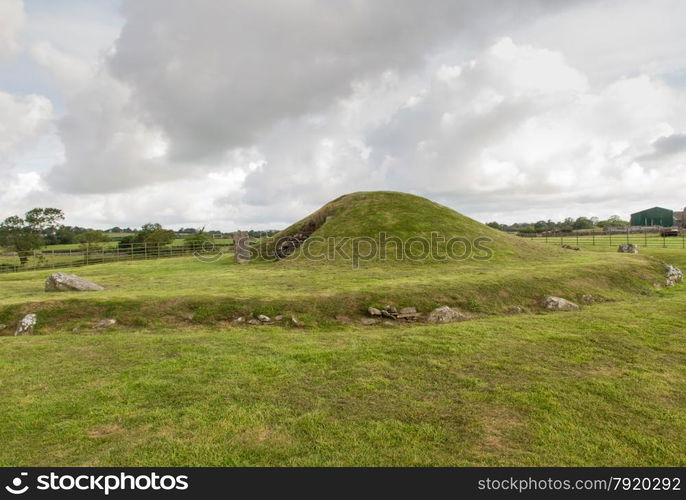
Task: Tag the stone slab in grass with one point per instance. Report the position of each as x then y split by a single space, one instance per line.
62 282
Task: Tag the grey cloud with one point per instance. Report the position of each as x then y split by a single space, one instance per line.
666 148
304 87
517 128
216 75
205 78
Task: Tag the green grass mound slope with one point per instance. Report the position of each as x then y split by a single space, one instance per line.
360 226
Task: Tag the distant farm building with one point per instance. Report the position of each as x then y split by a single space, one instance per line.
656 216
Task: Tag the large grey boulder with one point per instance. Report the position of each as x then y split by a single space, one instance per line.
445 314
673 275
62 282
26 325
627 248
559 304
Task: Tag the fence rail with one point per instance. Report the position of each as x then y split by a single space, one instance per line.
53 259
653 240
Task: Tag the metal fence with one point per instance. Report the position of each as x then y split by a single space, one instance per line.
654 240
77 257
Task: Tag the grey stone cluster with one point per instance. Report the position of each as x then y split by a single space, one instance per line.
673 275
289 244
392 312
443 314
627 248
263 319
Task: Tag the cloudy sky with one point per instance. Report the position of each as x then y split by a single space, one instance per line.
250 114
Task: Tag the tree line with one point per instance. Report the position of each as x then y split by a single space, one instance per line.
567 225
40 227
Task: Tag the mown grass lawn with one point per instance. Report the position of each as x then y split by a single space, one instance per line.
602 386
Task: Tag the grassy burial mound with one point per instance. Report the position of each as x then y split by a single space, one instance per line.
390 226
516 274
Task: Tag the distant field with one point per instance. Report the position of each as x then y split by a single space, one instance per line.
643 240
61 256
114 242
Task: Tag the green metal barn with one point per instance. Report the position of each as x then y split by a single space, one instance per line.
656 216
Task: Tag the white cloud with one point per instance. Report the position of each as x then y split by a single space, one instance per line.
517 125
82 28
609 40
107 148
12 19
22 118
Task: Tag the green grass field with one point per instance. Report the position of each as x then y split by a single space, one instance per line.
603 386
179 381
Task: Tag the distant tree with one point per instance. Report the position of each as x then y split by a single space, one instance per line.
542 226
44 220
614 221
90 240
583 223
151 234
261 234
154 234
527 228
566 225
26 235
127 243
63 236
198 241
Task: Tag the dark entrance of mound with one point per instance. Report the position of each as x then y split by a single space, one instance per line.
286 245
